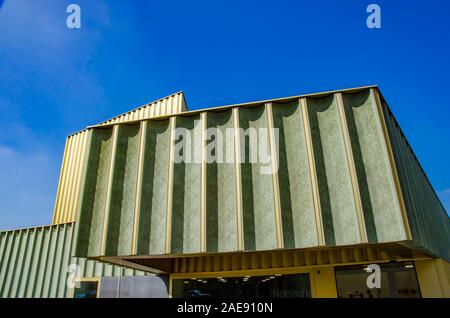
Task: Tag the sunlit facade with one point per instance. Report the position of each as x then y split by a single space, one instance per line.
342 208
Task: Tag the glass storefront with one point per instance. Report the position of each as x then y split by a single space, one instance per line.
385 280
397 280
272 286
86 289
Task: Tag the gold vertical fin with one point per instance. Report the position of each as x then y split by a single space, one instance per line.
203 118
170 186
312 173
275 182
137 203
237 164
393 167
109 190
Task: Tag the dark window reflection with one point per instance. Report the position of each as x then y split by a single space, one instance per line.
86 290
273 286
398 280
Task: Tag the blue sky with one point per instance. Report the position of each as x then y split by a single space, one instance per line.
55 80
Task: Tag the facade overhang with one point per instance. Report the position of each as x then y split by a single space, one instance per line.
215 263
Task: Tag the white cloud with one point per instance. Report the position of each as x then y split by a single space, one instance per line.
49 84
42 55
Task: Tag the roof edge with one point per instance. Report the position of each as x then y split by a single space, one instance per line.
279 99
192 112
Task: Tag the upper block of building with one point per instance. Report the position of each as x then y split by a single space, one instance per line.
343 175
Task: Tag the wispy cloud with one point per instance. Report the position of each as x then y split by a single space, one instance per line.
27 187
44 60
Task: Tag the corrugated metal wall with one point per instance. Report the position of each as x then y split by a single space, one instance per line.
34 262
67 201
72 169
429 222
334 185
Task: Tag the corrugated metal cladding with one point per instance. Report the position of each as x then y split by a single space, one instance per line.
335 185
166 106
72 169
34 262
428 220
67 201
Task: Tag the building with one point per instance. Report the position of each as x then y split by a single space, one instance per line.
341 193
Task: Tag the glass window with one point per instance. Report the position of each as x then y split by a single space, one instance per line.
397 280
86 289
273 286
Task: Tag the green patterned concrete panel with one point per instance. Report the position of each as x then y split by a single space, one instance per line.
152 216
123 193
381 209
186 188
335 187
296 193
257 192
95 192
221 216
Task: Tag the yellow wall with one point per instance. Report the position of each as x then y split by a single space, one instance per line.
434 278
324 282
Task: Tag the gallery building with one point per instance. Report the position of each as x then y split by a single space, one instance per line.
341 193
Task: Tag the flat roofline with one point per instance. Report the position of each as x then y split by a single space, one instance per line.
246 104
281 99
35 227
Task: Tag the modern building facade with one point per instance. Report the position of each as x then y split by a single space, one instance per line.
341 197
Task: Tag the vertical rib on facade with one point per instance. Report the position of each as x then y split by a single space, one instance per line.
34 263
429 222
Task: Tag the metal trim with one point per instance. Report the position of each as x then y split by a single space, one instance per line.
312 173
172 124
275 180
137 202
393 168
203 203
109 191
238 180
